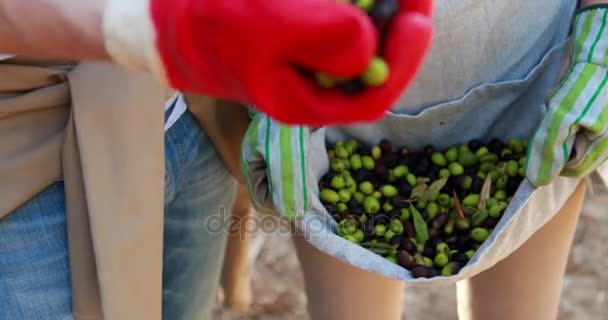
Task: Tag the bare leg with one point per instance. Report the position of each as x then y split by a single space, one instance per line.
527 284
337 290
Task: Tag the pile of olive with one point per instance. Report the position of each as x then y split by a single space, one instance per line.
381 13
428 211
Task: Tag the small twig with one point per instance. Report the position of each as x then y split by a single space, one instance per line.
457 204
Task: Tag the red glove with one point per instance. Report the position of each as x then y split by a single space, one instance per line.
248 50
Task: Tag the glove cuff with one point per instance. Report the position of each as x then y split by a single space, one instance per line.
591 35
130 36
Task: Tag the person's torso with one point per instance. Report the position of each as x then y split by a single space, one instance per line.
478 41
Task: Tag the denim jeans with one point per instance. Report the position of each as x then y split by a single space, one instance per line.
34 269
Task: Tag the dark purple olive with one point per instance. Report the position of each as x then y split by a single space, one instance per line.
429 150
382 14
433 242
460 258
328 176
440 221
425 215
362 175
512 186
459 182
462 242
390 160
495 146
431 272
364 150
409 230
470 171
382 173
408 245
352 86
508 156
433 173
405 259
434 232
331 209
400 202
386 146
474 145
396 240
429 251
356 211
476 185
461 193
352 203
490 223
404 188
419 271
368 228
380 218
394 214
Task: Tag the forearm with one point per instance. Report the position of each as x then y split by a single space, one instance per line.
64 29
585 3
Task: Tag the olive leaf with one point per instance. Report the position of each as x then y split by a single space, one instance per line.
423 180
433 188
418 191
422 231
485 192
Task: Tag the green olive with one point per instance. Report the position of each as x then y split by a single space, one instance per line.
470 254
515 145
522 161
411 179
355 162
497 209
388 235
359 235
481 152
338 182
471 200
345 195
380 229
491 201
405 214
456 168
350 238
452 154
428 262
505 152
444 173
441 259
352 146
389 191
487 167
342 153
386 207
512 168
500 195
337 165
467 158
397 226
368 163
432 209
479 234
351 184
376 152
401 171
324 80
489 157
371 205
342 207
377 72
501 184
366 187
439 159
444 200
358 197
479 217
521 172
329 196
377 194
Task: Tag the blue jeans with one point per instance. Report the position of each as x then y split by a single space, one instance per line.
34 268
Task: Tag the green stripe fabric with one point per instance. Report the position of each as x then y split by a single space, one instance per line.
596 155
582 115
303 168
587 23
598 37
553 131
287 176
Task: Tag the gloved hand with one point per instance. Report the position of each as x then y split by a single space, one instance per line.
572 139
248 50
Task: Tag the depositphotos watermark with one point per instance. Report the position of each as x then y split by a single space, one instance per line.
224 222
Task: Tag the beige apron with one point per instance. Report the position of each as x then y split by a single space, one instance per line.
90 124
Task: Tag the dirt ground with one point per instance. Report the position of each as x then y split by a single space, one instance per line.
278 285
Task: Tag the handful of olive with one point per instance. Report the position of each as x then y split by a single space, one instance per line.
381 13
428 211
